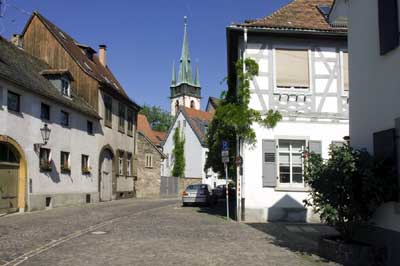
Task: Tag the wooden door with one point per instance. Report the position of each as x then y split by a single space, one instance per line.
106 176
8 187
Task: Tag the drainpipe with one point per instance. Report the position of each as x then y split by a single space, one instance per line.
240 196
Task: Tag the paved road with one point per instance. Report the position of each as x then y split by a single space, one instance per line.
137 232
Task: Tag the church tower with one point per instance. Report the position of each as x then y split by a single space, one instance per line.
186 90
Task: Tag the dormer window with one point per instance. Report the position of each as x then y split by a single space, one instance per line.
65 87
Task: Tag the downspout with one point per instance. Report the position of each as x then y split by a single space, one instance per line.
240 201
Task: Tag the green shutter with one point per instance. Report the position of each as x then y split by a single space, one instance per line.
269 171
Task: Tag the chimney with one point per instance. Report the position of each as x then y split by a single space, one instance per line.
102 54
16 40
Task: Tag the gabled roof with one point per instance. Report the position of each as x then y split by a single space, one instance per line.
213 102
153 137
143 126
302 15
22 69
198 120
92 67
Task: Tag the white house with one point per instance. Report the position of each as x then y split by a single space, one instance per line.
302 74
374 81
193 125
36 172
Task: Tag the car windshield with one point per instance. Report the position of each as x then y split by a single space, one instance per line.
196 187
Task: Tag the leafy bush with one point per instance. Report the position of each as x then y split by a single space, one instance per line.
348 187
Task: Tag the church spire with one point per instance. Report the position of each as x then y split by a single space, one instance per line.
173 80
197 77
185 69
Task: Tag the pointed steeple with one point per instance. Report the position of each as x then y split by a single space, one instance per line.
185 69
173 80
197 77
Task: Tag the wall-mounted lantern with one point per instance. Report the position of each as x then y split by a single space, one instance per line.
45 132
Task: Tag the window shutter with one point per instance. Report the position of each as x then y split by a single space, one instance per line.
388 25
269 163
385 144
315 146
125 160
292 68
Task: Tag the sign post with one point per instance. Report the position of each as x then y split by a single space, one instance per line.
225 160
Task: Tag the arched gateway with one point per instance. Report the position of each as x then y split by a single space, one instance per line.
12 176
106 174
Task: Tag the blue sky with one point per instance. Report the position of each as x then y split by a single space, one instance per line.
144 37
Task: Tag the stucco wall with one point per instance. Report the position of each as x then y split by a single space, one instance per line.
25 127
193 151
117 141
148 180
374 79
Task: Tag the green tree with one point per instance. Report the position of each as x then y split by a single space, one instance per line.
179 154
159 119
234 119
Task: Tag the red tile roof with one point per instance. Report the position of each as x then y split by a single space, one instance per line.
297 15
143 126
198 120
160 135
92 67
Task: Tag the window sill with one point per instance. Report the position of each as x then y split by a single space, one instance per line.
292 189
106 124
130 134
293 90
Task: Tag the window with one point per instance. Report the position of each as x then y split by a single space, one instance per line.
184 123
7 154
108 110
121 115
64 119
44 159
292 69
176 106
85 164
45 112
13 101
89 127
345 71
192 104
291 161
388 14
121 163
65 87
149 160
130 122
179 124
129 164
64 161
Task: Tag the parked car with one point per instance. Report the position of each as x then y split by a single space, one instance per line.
198 193
220 191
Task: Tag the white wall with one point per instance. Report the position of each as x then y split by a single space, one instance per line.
185 101
25 127
374 78
318 113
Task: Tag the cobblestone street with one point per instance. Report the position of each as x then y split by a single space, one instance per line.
138 232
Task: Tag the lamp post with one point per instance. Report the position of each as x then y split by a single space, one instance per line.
45 131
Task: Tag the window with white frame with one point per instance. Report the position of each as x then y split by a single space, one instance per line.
85 164
129 164
45 159
65 87
120 163
292 68
149 160
64 162
291 161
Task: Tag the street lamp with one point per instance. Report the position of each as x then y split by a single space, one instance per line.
45 131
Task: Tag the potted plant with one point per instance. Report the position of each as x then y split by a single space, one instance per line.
345 191
45 165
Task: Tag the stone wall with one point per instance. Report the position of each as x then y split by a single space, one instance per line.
148 180
184 182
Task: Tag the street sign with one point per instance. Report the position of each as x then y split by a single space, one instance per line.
225 145
225 153
225 159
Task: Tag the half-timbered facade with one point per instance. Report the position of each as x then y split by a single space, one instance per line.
302 74
93 82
